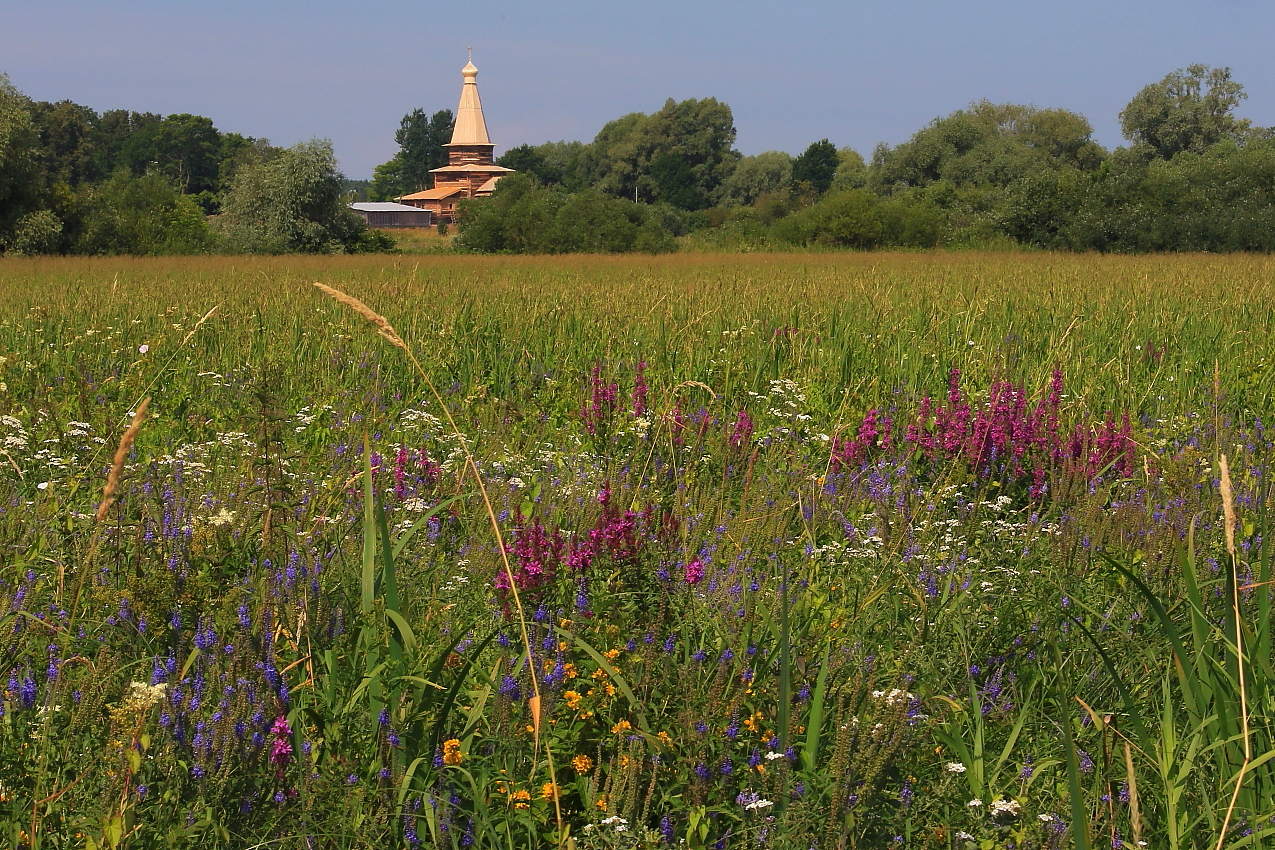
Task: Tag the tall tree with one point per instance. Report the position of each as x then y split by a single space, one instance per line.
691 140
1189 110
817 165
68 142
19 158
755 176
421 140
290 202
187 150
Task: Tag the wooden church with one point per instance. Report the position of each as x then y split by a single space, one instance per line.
471 171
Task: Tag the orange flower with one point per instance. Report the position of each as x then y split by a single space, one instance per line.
547 791
451 752
573 700
582 763
621 727
521 798
612 654
601 802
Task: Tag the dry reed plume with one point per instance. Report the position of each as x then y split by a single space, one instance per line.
382 324
121 453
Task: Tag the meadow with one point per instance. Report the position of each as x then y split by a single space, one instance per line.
924 550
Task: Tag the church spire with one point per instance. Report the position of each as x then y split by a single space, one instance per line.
471 128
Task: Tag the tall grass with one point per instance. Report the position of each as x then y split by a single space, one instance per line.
458 587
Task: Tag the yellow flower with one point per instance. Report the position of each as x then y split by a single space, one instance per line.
665 739
612 654
582 763
601 802
569 670
521 798
452 755
610 689
751 723
573 700
547 791
625 760
621 727
599 673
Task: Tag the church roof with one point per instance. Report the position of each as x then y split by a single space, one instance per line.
471 127
432 194
474 167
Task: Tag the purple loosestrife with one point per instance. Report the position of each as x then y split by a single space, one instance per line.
280 744
536 552
600 408
741 433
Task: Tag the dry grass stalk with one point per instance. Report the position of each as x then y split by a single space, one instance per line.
121 454
382 324
1228 513
202 319
1228 505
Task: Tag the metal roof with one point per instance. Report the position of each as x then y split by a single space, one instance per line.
383 206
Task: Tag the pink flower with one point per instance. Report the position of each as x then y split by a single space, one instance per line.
694 572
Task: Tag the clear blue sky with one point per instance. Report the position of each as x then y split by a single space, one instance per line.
855 72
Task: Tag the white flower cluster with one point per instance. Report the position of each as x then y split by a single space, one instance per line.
894 697
1005 808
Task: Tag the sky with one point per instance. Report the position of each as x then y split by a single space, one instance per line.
853 71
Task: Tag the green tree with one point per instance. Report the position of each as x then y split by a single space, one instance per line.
852 171
987 144
680 154
755 176
1190 109
552 163
816 165
387 180
422 140
290 203
68 142
127 214
20 182
188 150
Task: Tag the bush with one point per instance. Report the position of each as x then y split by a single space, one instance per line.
35 233
142 215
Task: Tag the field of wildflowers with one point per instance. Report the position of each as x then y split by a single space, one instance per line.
834 551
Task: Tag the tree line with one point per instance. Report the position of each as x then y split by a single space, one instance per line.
1193 176
121 182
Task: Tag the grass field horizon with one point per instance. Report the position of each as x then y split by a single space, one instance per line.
952 549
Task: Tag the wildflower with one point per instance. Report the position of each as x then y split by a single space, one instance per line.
521 798
975 803
621 727
954 767
573 700
582 763
1008 808
694 572
452 755
601 803
281 747
759 803
547 791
